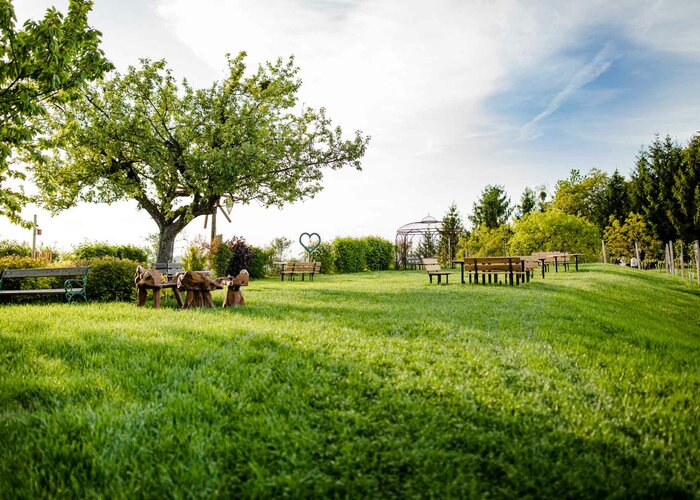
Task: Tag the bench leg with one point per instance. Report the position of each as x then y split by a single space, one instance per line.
431 278
156 298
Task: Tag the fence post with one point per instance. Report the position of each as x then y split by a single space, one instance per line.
697 260
672 257
682 264
666 257
636 253
605 255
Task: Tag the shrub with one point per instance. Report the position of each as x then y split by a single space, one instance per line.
14 248
350 255
485 242
111 279
258 263
379 253
325 254
195 258
241 256
87 251
219 257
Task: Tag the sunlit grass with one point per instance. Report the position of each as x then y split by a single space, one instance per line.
582 384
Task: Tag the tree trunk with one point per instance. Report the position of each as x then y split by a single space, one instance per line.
166 241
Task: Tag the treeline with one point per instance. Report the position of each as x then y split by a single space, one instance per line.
658 203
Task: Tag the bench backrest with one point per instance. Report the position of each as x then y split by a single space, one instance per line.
431 264
490 264
52 272
305 267
170 269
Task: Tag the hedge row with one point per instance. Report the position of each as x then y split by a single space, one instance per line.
352 255
96 250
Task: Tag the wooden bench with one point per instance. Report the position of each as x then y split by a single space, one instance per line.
293 269
433 269
75 284
511 269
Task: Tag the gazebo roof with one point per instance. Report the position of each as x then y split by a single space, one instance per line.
426 225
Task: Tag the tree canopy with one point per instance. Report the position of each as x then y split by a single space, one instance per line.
177 150
492 209
43 63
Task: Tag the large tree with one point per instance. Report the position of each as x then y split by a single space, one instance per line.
652 186
584 196
686 192
492 209
177 150
43 63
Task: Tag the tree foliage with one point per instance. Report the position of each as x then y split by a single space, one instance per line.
620 238
492 209
653 181
686 192
485 242
584 196
554 230
452 228
528 202
177 150
44 62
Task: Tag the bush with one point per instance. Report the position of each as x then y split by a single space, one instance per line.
258 263
485 242
111 279
14 248
379 253
242 255
88 251
350 255
195 258
219 257
325 254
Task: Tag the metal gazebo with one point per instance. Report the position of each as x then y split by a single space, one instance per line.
405 235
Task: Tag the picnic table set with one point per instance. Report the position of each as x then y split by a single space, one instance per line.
196 285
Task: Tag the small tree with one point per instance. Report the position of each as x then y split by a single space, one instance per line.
452 229
554 230
528 202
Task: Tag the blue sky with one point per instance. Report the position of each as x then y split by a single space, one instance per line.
455 94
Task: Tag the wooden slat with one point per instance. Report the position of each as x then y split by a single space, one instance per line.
45 272
38 292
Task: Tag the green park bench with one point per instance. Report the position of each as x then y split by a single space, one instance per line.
75 284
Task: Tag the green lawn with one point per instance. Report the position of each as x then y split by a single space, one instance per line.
580 385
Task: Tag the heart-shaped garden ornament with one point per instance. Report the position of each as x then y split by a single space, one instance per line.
310 241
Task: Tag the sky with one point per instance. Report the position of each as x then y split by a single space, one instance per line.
455 95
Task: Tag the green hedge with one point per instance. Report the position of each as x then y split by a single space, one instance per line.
258 263
111 279
325 254
88 251
15 262
379 253
350 255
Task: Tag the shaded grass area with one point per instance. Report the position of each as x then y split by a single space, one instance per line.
583 384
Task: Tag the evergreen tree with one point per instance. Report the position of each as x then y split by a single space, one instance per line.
616 201
653 181
686 192
492 209
452 229
528 202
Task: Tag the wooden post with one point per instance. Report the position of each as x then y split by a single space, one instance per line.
697 260
605 255
682 264
213 226
666 267
636 253
672 257
34 238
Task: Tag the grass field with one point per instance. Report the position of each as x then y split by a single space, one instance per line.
579 385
